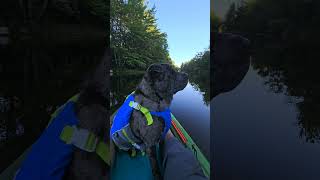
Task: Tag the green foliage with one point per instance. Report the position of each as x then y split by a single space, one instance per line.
198 69
136 41
99 7
199 63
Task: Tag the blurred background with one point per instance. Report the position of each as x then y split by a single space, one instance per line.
268 127
46 48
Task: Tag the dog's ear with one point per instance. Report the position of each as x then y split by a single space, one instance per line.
155 72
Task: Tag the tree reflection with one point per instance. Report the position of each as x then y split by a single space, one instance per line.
201 82
198 71
296 80
284 52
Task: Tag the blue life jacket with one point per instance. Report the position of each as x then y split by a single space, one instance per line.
49 155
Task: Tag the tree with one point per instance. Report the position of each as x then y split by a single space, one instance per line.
136 41
198 69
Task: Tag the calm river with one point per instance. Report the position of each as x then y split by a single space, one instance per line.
260 134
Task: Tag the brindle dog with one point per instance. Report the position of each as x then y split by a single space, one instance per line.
92 110
155 92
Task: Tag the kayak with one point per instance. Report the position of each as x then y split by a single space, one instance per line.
177 129
185 139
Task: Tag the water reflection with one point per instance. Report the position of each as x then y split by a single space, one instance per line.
201 83
285 53
283 74
276 126
256 129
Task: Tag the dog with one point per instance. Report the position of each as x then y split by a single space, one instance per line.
231 61
92 110
155 92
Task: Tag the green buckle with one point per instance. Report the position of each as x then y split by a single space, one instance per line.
135 105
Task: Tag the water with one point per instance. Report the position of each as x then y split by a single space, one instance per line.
193 113
260 134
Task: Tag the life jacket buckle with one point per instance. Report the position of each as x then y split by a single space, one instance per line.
83 139
135 105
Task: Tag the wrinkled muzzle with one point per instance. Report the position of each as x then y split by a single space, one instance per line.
181 81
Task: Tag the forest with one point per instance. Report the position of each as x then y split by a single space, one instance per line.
136 40
198 69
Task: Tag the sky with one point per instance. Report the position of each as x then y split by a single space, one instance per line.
187 25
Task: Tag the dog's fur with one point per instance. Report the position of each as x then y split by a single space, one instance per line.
92 110
155 92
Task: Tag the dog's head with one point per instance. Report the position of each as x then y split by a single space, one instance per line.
93 103
163 81
231 61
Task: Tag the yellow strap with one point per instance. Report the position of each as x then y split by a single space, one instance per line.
145 111
102 148
91 141
66 134
126 135
133 151
103 151
147 114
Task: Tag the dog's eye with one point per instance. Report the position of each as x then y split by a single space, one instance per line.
157 75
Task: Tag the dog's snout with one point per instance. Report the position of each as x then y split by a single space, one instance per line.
183 76
181 81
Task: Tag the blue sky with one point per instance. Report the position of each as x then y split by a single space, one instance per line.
187 24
